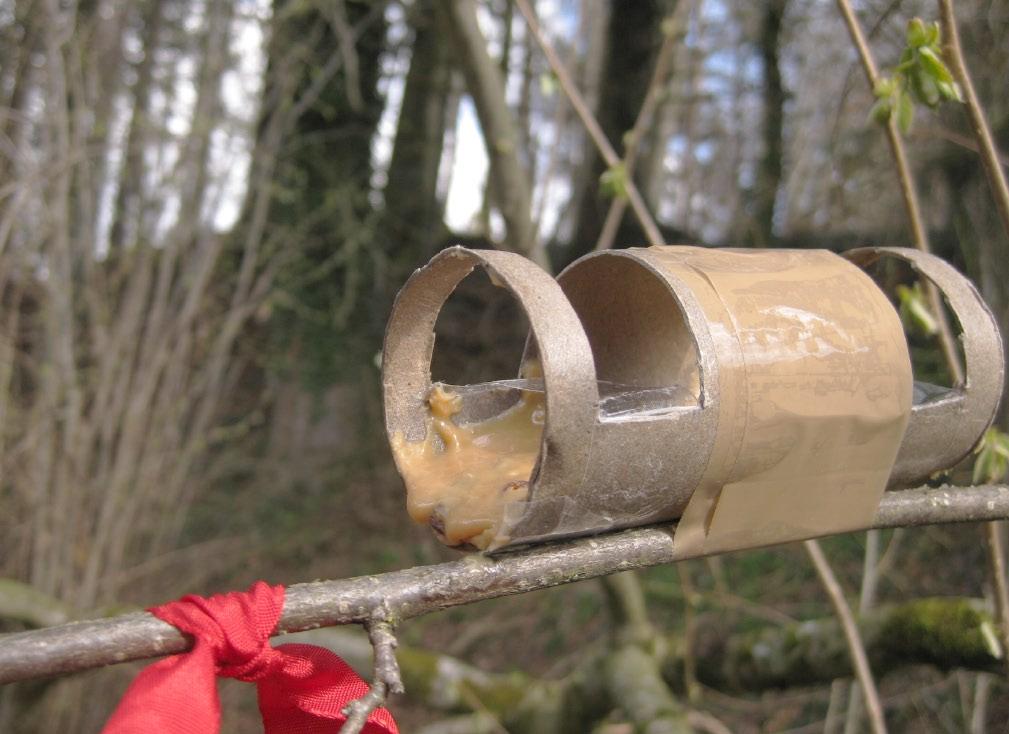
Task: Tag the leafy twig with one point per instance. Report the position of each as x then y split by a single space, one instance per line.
907 188
671 30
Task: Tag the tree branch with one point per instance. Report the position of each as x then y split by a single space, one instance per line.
673 28
418 591
975 113
859 658
386 678
908 191
590 122
511 187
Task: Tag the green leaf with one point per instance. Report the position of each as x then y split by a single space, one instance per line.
950 91
548 84
915 312
992 462
925 88
934 65
934 34
905 112
613 182
881 111
1000 442
917 33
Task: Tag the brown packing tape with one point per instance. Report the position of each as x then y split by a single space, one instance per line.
815 393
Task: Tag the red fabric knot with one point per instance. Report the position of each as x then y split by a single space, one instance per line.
236 626
302 688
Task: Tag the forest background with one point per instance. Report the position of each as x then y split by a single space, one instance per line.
207 207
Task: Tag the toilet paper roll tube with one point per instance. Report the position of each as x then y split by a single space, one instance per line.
774 389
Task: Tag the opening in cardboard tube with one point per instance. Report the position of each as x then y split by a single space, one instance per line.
645 355
483 439
908 291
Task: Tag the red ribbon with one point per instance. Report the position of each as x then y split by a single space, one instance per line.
302 688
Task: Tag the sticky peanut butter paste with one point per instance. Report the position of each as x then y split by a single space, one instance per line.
460 478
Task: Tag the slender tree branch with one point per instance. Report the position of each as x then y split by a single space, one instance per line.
1000 192
982 689
386 678
418 591
997 563
590 122
907 188
859 659
866 599
510 183
672 32
975 113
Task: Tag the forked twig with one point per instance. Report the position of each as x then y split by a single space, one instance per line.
588 119
386 678
671 29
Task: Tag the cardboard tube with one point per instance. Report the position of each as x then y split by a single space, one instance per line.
943 431
762 395
565 357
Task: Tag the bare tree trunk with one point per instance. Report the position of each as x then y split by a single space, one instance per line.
771 162
126 212
413 209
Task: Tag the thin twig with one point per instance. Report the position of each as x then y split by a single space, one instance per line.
689 632
591 125
910 194
982 132
951 136
866 598
859 660
417 591
702 721
997 564
978 717
832 721
672 31
1000 192
386 678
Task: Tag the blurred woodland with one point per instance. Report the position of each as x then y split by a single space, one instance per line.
206 210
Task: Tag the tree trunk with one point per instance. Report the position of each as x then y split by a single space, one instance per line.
413 209
509 181
770 168
125 228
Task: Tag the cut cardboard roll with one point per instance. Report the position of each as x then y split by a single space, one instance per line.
759 396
